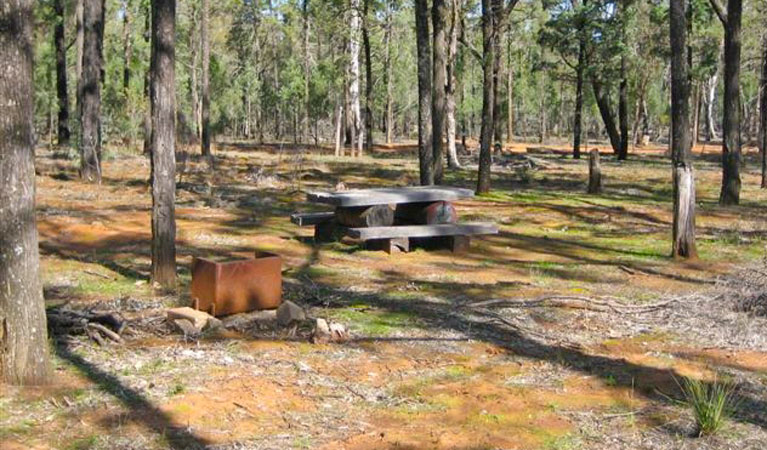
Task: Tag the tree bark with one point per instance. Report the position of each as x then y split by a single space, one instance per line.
696 99
623 111
486 144
307 103
368 78
595 173
354 76
79 38
205 82
578 116
509 92
163 165
731 143
147 81
127 45
439 82
763 110
710 103
452 50
90 91
683 239
605 110
61 74
424 92
23 334
388 74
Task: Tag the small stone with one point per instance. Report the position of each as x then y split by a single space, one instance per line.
198 318
213 324
186 327
338 332
321 334
289 312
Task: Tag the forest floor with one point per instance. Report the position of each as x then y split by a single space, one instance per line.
428 365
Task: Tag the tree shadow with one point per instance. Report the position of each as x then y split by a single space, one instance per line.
142 411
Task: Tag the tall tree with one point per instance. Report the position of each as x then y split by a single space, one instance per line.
763 107
163 143
452 81
90 90
354 76
606 111
127 43
205 82
23 333
684 180
368 76
424 91
389 79
486 137
731 140
61 73
307 102
623 101
439 15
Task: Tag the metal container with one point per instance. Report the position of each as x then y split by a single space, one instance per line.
230 287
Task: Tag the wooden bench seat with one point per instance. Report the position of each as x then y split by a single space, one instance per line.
451 229
306 219
455 236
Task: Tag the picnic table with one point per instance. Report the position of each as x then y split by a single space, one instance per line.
394 219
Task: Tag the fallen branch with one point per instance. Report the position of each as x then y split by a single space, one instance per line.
105 331
600 304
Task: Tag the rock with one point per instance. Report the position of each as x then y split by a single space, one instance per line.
213 324
186 327
198 319
338 332
324 332
321 332
289 312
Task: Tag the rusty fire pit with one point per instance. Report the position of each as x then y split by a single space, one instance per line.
230 287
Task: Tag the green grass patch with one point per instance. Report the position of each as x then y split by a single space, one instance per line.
373 322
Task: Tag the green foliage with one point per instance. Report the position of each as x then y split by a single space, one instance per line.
711 403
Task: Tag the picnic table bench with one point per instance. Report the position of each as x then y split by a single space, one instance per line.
393 219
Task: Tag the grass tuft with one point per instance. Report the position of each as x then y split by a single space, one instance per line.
711 403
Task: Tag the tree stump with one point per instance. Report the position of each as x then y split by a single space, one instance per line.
595 173
366 216
684 212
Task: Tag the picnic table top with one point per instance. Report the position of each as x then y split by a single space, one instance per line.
385 196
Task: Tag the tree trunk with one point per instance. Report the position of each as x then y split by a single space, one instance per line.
368 78
763 111
578 116
731 156
147 82
79 38
498 25
163 165
684 181
205 82
639 111
509 92
61 74
424 92
127 46
307 103
486 144
354 76
710 104
339 129
439 82
605 110
623 111
452 50
388 74
23 333
595 173
542 108
90 114
696 98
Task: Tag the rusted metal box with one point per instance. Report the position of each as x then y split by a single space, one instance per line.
230 287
